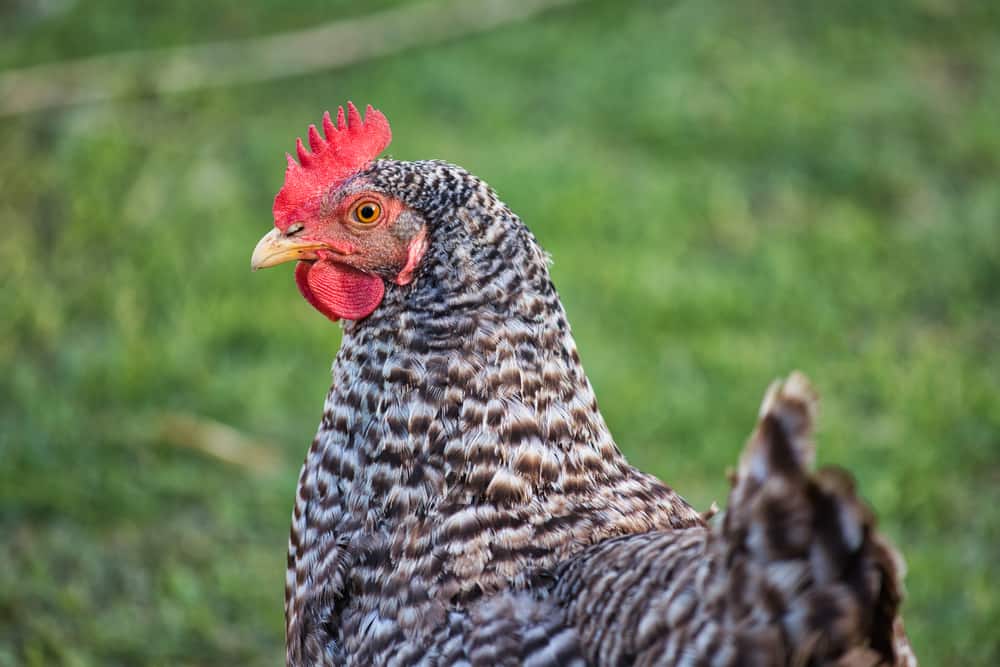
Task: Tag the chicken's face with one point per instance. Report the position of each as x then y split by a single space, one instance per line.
347 236
346 249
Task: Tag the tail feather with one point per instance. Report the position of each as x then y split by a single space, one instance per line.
809 537
794 573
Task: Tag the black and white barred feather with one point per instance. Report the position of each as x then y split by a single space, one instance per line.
794 574
463 501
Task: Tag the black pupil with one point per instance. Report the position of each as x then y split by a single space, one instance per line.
367 212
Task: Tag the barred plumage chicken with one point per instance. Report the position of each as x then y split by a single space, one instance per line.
463 502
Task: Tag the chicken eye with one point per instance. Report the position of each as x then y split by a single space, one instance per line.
367 212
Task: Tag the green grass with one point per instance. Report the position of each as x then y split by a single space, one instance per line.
729 191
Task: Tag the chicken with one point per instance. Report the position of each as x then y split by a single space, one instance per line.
463 501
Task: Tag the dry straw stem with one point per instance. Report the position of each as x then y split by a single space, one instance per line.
336 44
218 441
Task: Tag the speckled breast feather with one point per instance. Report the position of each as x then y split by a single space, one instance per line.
463 502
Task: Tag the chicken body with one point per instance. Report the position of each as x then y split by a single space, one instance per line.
463 501
461 451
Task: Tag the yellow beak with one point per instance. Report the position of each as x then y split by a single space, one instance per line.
276 248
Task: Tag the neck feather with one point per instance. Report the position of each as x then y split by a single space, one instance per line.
467 383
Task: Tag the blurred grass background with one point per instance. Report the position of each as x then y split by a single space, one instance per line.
729 190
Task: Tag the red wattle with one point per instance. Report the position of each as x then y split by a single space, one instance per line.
339 291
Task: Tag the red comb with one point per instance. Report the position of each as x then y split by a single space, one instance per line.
349 147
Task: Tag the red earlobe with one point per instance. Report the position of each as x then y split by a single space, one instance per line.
414 253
